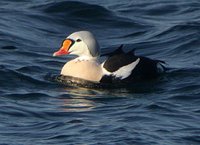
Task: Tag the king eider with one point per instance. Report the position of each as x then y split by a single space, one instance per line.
120 66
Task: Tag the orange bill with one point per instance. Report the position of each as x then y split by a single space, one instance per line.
64 50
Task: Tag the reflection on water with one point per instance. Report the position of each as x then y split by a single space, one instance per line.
77 99
77 105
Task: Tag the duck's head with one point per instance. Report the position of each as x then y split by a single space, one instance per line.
81 43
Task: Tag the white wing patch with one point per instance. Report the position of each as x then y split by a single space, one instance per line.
122 72
126 70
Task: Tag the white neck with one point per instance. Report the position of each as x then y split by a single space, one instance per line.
86 58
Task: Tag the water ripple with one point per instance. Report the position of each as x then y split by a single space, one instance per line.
35 109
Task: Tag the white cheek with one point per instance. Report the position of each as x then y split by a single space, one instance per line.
79 48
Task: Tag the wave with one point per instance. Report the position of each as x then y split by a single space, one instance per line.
74 13
11 78
75 8
28 96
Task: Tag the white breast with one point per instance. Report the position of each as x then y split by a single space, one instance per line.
88 70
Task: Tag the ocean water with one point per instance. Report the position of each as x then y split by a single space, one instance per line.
34 109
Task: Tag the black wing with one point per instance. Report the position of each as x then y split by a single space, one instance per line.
118 59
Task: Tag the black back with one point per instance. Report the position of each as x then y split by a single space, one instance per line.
144 70
118 59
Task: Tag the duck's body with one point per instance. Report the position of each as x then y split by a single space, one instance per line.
127 67
78 69
118 67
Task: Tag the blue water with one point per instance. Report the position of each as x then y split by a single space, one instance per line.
34 109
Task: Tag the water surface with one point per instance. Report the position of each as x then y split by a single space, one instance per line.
37 110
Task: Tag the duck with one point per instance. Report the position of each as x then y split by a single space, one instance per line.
119 66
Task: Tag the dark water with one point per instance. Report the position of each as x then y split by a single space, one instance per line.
36 110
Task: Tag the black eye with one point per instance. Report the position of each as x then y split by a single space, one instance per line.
78 40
